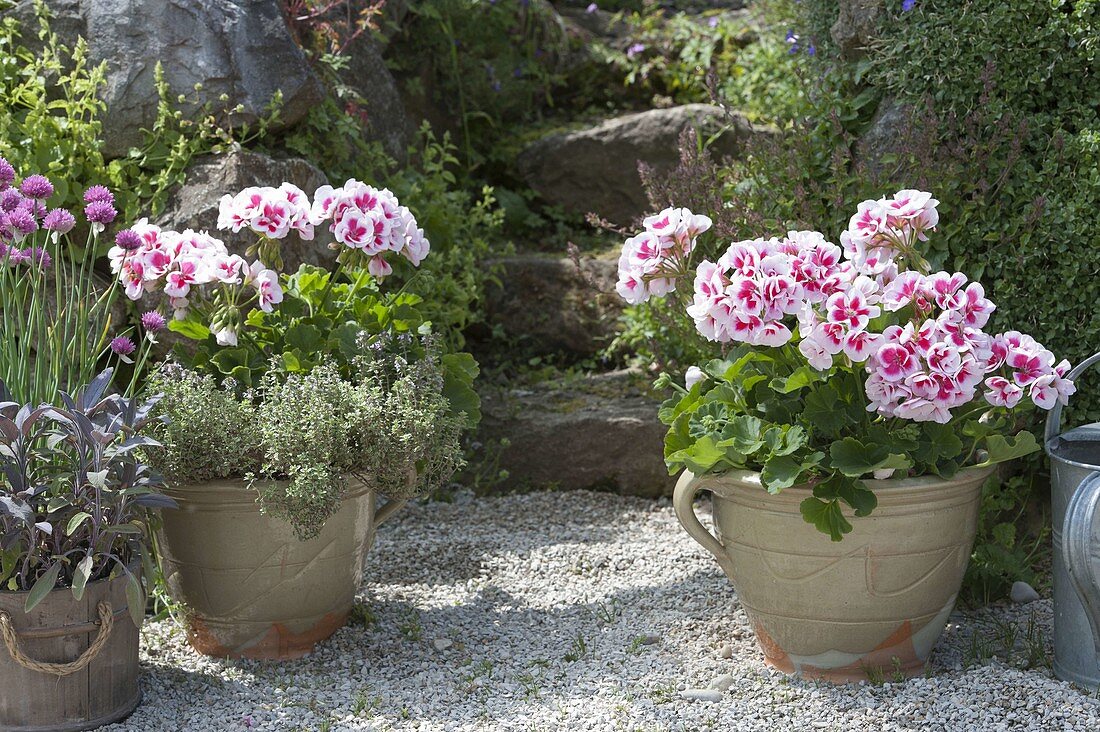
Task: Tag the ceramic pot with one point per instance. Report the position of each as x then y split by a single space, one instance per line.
874 603
251 587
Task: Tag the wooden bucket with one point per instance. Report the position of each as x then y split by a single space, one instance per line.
68 664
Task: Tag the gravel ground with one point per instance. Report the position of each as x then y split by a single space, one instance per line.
583 611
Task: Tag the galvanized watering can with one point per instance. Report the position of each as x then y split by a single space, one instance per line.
1075 499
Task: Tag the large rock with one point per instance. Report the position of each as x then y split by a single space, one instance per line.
877 147
856 26
598 432
564 307
237 48
596 169
194 205
386 118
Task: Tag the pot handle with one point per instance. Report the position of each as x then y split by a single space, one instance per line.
683 503
1054 417
1079 543
11 640
392 506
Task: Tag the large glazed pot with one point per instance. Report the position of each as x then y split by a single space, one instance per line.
68 664
252 589
873 603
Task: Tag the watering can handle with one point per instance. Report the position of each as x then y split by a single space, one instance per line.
1054 417
1077 549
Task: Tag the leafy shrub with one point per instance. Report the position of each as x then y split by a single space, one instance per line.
484 63
75 498
696 58
297 438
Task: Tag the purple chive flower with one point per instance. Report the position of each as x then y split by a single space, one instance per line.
122 346
100 212
17 256
36 186
593 7
10 199
59 220
22 221
634 50
7 174
153 322
39 256
128 240
907 5
99 193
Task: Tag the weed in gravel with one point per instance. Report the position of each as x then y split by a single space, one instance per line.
410 627
578 650
606 613
363 616
664 693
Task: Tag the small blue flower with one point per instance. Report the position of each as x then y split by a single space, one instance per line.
713 22
812 50
907 5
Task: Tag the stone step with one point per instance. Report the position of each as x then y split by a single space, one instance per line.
593 432
548 305
596 169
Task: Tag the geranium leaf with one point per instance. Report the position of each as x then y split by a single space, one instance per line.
826 516
1001 449
853 458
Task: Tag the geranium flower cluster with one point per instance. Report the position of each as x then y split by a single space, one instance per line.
651 261
371 221
270 212
147 258
918 336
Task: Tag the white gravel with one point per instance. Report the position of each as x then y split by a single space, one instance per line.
583 611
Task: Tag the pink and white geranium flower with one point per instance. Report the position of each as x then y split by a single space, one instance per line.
933 358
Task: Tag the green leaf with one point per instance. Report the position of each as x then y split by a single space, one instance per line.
825 412
345 337
780 472
1001 449
802 377
76 521
744 433
702 456
80 576
459 372
135 598
228 359
42 587
853 492
191 328
853 458
826 516
304 337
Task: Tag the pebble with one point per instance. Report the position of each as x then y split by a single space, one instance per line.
1022 592
705 695
553 649
722 683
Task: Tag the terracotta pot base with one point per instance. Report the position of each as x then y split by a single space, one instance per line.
278 643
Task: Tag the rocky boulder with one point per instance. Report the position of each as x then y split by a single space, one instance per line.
564 307
386 118
596 169
856 26
892 122
237 49
596 432
194 205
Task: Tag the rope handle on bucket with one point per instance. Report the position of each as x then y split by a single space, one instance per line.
1054 418
11 640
